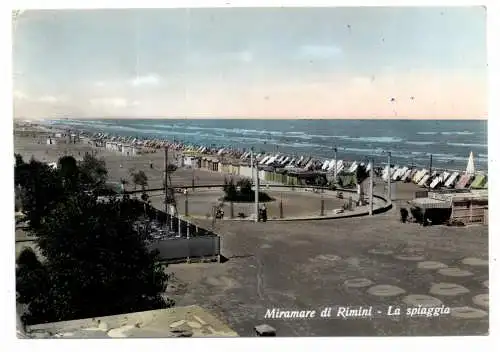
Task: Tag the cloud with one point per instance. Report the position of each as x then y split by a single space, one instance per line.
109 102
319 51
100 84
227 57
19 95
48 99
113 102
147 80
243 56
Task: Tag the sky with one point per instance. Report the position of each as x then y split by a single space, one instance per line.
413 62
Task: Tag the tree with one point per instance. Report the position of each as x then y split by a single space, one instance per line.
93 172
245 186
95 262
230 189
68 169
361 175
40 189
139 178
31 276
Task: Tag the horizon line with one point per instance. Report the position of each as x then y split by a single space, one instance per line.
249 118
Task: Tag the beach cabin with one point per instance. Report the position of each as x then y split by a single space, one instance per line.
479 182
412 175
444 176
423 181
353 167
292 180
420 175
464 181
406 177
204 163
340 165
436 181
450 182
215 165
235 169
385 173
399 173
225 167
304 162
369 166
246 171
285 161
262 175
308 165
126 150
264 159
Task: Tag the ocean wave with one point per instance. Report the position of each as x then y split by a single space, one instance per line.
419 143
460 133
233 130
462 158
476 145
429 133
374 139
298 145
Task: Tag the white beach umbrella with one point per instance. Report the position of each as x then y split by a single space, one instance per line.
470 170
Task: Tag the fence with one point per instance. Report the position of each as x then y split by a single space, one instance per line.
191 241
183 247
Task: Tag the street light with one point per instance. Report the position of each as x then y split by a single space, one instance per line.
335 165
389 176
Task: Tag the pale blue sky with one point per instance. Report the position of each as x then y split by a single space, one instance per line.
251 62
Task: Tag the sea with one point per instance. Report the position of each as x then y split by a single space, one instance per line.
411 142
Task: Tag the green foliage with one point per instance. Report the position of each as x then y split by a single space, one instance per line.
93 172
361 174
139 178
245 186
230 189
41 188
94 261
242 192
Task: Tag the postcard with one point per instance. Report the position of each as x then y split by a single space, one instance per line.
247 172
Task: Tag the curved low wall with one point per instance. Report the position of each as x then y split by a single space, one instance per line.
376 209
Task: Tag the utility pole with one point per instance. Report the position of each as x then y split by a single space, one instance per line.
389 176
192 177
167 211
371 188
335 166
253 181
430 170
256 192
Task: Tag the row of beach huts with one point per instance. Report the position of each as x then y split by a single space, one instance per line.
296 166
272 166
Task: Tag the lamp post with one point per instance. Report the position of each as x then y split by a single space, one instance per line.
335 165
371 188
430 170
389 176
